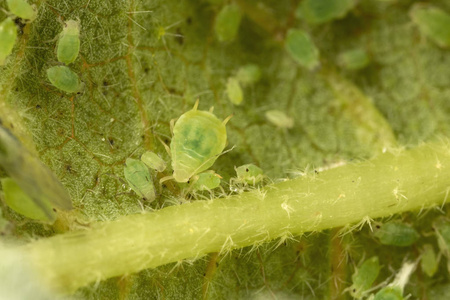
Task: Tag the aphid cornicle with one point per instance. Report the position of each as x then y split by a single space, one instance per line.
64 79
69 42
199 137
22 9
8 36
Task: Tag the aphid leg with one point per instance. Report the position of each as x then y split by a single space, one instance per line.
196 105
164 144
165 179
211 109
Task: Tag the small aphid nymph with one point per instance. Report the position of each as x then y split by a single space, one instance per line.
279 119
396 234
433 22
69 42
428 260
22 9
227 23
138 177
302 49
206 181
234 91
153 161
64 79
249 74
8 36
199 137
249 174
354 59
364 277
321 11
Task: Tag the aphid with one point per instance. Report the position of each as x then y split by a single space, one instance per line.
249 173
8 36
20 202
279 119
428 260
198 140
394 291
433 22
396 234
364 277
302 49
206 181
442 229
64 79
138 177
354 59
153 161
69 42
249 74
22 9
227 23
33 177
234 91
321 11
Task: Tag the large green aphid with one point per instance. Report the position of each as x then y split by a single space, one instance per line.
33 177
206 181
396 234
249 174
433 22
300 46
428 260
364 277
22 9
227 23
69 42
64 79
138 177
8 36
153 161
321 11
199 137
20 202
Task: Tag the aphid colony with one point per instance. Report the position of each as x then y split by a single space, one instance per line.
199 138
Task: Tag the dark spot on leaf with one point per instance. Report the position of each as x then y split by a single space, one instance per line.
111 141
246 170
179 38
189 20
105 83
38 106
54 209
69 168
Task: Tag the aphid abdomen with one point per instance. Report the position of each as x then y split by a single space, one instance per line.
198 138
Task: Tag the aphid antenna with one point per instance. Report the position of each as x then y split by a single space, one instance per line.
196 105
224 122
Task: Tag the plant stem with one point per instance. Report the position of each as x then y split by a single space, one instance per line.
389 184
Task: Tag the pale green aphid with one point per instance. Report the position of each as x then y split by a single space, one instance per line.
206 181
64 79
433 22
302 49
33 177
227 23
249 74
396 234
234 91
69 42
22 9
138 177
389 293
321 11
8 36
20 202
442 229
364 277
249 173
153 161
199 137
428 260
354 59
279 119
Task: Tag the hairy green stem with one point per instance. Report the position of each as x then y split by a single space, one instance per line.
391 183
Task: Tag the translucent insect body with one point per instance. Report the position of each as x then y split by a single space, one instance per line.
199 137
8 36
69 42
